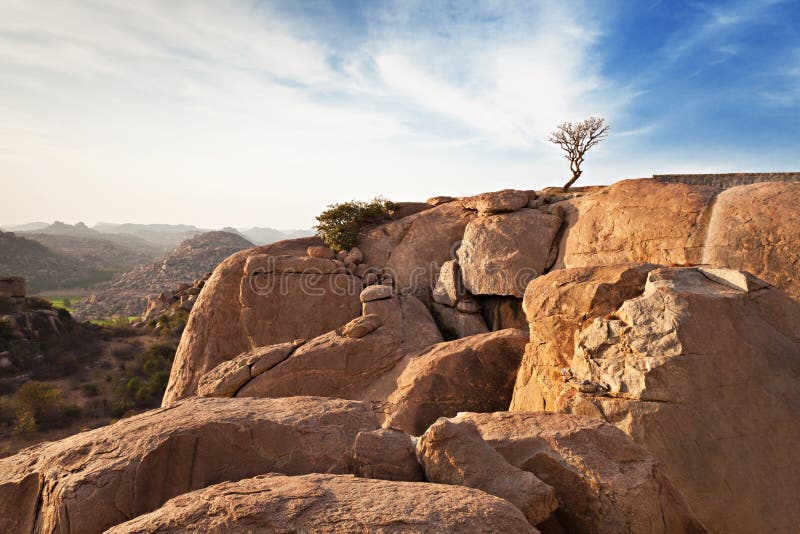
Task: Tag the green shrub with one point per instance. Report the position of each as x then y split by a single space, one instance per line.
90 390
340 224
41 406
25 423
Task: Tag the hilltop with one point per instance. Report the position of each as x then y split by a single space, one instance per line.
127 294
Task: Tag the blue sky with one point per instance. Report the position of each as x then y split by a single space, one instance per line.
261 113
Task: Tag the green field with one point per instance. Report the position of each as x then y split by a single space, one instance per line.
116 321
64 302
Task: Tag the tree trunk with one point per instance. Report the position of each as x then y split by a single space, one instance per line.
575 176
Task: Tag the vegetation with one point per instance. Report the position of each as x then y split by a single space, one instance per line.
143 381
64 302
37 406
339 225
576 139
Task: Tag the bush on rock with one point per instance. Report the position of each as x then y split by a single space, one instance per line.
339 225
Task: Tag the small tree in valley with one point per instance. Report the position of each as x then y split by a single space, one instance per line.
576 139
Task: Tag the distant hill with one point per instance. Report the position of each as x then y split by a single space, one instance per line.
43 267
127 294
28 227
166 236
265 236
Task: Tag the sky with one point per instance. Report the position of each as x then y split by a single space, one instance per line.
260 113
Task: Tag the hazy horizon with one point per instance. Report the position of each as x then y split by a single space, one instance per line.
259 113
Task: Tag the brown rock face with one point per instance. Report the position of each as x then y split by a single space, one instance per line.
703 369
331 503
604 482
500 254
496 202
455 453
474 373
756 228
456 324
415 247
225 379
215 331
97 479
386 454
636 221
558 305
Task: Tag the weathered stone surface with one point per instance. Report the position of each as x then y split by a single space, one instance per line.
215 331
277 307
605 483
449 288
436 201
97 479
707 377
321 251
331 503
408 319
12 286
502 253
376 292
406 209
226 378
361 367
361 326
496 201
756 228
558 305
474 373
456 324
386 454
455 453
285 263
413 249
636 221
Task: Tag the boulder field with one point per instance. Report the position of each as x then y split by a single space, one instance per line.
612 359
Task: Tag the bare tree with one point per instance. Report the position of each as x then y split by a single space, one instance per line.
576 139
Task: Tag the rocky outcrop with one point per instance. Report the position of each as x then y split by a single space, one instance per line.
456 311
413 249
386 454
558 305
703 369
216 330
500 254
636 221
495 202
94 480
756 228
331 503
604 482
475 373
453 453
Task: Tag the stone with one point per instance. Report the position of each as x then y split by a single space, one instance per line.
474 373
96 479
216 328
361 326
704 374
321 251
376 292
361 269
503 201
386 454
268 264
455 453
370 278
437 201
557 306
362 365
449 289
406 209
500 254
455 324
756 228
604 482
12 286
331 503
413 249
636 221
355 256
226 378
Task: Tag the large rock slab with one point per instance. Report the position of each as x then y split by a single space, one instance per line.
94 480
558 305
703 369
756 228
604 482
331 503
474 373
216 331
455 453
500 254
386 454
496 201
455 324
414 248
636 221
